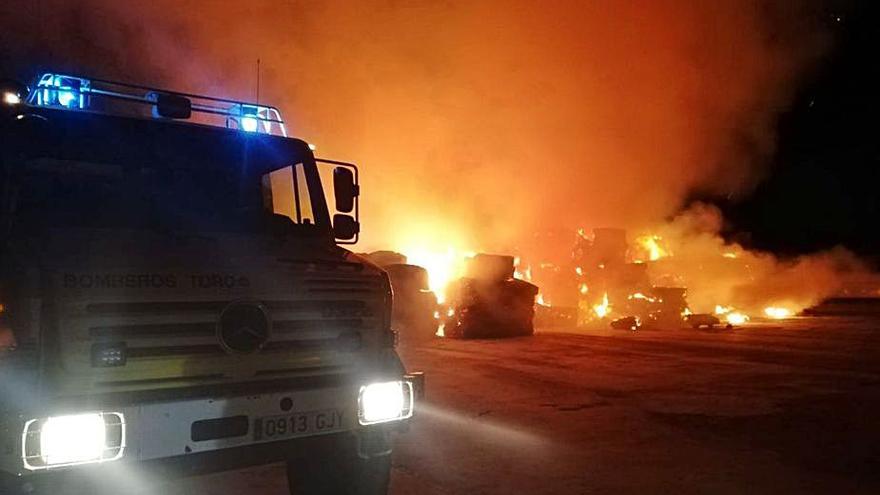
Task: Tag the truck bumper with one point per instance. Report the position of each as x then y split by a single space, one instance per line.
228 432
130 477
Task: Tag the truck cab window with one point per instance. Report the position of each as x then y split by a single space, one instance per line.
286 192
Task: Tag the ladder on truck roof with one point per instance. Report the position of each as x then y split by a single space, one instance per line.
76 93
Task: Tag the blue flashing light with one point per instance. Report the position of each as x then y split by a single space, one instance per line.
250 118
259 119
249 124
56 90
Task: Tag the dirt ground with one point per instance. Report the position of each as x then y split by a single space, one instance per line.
788 407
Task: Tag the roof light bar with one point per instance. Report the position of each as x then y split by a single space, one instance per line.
74 93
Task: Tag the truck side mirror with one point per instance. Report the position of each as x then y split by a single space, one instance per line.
344 189
345 227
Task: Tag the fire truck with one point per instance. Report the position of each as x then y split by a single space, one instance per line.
175 297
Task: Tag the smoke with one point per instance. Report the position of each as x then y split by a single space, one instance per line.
477 124
726 274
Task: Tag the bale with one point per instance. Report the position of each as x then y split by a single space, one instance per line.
385 258
407 277
490 267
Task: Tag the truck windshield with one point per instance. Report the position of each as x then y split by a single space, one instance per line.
53 193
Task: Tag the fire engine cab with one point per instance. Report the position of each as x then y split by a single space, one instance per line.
174 296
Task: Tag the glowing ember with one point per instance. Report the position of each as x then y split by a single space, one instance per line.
686 312
604 308
639 295
776 312
584 289
441 324
729 255
579 270
651 244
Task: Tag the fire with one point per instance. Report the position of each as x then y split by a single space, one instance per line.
604 308
584 289
735 318
442 266
522 274
639 295
730 255
539 299
777 313
579 270
731 316
651 244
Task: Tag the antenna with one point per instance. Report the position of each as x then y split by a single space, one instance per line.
258 80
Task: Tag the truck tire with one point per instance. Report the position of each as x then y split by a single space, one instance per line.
343 474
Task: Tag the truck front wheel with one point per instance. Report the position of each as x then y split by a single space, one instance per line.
339 473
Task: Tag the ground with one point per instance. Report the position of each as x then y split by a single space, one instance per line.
772 408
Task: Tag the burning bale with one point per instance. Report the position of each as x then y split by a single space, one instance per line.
415 304
488 302
669 308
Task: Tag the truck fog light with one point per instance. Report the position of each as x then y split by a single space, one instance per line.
385 401
61 441
109 355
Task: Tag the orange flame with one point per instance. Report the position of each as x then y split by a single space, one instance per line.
735 318
777 313
443 266
651 245
602 310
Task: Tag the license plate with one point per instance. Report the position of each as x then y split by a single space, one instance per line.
297 424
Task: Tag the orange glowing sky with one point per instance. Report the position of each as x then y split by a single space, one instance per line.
476 121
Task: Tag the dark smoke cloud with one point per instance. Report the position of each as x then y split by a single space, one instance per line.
475 122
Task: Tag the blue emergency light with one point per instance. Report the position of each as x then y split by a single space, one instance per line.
63 91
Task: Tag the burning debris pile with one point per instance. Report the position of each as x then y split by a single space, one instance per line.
488 302
684 274
679 274
485 302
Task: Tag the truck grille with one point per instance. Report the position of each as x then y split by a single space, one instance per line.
296 325
176 342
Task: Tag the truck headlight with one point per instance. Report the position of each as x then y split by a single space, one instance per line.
385 401
60 441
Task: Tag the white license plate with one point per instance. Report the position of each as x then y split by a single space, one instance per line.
297 424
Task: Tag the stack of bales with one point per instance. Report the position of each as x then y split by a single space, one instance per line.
488 302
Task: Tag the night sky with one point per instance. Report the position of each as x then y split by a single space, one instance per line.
821 188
